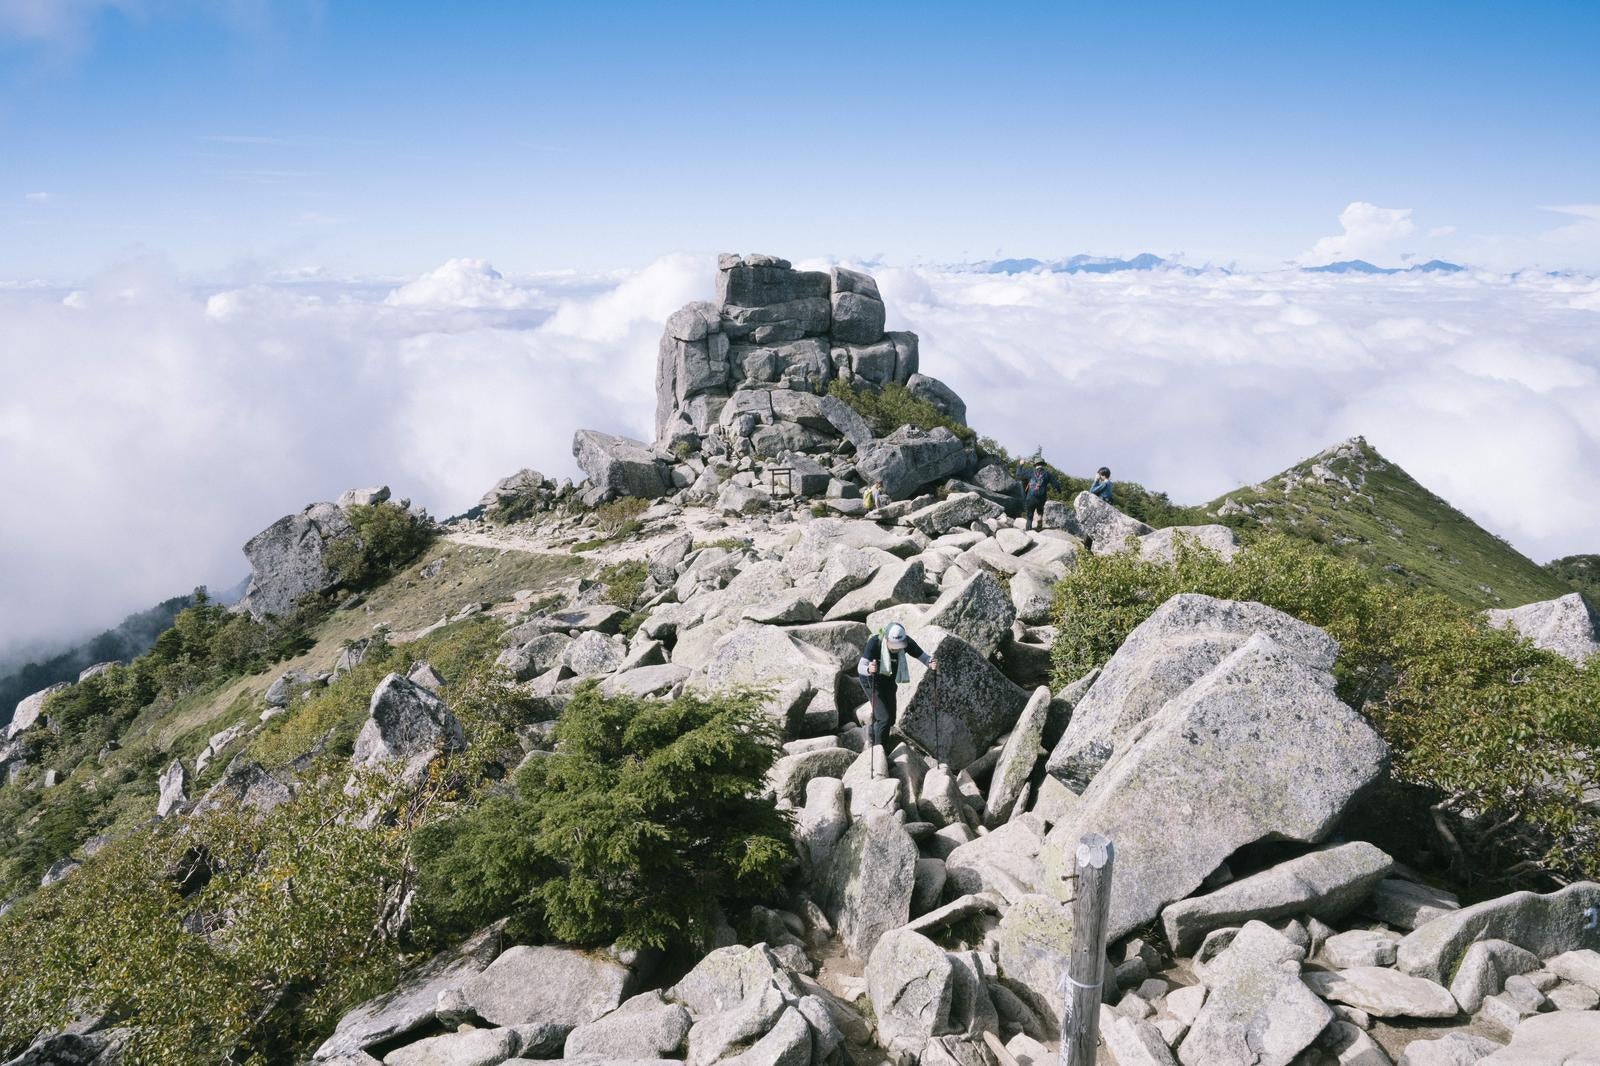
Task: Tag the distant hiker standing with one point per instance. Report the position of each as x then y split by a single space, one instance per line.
873 497
882 667
1102 484
1037 482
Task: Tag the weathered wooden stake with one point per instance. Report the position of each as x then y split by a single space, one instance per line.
1080 1023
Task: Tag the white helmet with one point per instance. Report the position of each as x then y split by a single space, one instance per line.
896 636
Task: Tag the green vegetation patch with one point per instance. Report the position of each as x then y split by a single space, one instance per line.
1582 572
893 406
617 520
292 906
387 538
646 819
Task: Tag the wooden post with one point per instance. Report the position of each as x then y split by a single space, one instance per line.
1080 1022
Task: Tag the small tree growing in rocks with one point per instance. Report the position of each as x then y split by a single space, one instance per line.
645 819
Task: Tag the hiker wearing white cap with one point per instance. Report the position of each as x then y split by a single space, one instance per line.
882 667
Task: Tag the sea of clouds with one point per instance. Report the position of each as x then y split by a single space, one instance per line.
148 427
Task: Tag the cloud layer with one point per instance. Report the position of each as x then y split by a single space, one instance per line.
147 429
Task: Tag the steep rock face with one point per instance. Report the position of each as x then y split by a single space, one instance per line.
958 711
1567 626
288 559
910 459
1107 528
410 1004
746 372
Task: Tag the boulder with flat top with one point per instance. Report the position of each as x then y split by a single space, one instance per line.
619 466
1259 748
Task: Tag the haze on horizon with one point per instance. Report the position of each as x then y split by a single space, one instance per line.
255 253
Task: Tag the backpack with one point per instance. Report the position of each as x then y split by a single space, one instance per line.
1036 481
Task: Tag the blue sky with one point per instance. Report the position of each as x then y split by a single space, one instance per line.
382 138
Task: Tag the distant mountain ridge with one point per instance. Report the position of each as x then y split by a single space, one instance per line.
1099 264
1081 264
132 636
1361 266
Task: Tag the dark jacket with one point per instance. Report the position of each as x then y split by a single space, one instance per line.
1047 481
872 651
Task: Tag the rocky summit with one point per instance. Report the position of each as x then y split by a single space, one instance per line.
749 375
924 910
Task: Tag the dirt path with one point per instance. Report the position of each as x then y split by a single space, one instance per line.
703 524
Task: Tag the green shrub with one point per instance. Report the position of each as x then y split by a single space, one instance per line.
617 520
623 582
623 511
893 406
1503 736
515 508
733 544
294 912
388 537
646 818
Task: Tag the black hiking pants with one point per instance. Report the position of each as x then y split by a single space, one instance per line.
883 694
1033 505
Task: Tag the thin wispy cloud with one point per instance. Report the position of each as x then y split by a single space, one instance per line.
64 23
36 197
1585 230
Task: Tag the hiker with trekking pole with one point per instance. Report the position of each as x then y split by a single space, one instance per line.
882 668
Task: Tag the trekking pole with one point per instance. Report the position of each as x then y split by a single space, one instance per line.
872 741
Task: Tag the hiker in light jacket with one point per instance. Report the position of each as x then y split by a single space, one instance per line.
882 668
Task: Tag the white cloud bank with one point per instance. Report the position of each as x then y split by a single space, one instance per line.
1369 232
470 283
147 430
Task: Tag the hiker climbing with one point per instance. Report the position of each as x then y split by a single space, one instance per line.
1102 484
882 668
1037 482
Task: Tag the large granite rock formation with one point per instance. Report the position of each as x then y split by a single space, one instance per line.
1182 641
288 559
29 708
750 367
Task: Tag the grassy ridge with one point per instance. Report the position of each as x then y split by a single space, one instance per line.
1362 507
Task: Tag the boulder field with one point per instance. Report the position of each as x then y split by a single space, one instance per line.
927 919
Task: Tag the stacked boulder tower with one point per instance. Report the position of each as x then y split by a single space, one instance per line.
748 374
